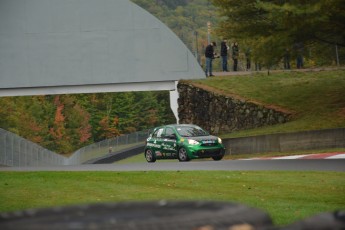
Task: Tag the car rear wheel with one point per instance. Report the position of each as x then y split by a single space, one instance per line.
149 156
217 158
182 155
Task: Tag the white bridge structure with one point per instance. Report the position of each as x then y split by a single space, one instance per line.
88 46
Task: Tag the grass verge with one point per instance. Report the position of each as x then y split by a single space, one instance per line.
286 196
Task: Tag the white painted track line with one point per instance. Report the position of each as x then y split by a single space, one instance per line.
338 156
305 156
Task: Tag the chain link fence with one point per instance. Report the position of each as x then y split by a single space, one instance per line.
102 148
17 151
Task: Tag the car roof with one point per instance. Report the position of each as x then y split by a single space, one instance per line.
174 126
179 125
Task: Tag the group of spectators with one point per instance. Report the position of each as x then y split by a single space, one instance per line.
225 52
298 47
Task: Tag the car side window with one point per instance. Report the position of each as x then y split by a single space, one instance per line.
158 133
169 132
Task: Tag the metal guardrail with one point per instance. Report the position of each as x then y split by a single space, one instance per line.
17 151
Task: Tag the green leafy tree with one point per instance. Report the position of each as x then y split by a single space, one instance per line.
276 25
126 110
165 113
149 108
7 113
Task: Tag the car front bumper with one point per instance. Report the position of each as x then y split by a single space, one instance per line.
205 152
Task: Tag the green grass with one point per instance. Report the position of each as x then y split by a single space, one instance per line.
286 196
316 99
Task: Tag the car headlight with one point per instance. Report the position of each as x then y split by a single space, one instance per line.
193 142
219 140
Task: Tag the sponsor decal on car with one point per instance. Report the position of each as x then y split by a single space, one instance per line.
169 140
168 147
153 145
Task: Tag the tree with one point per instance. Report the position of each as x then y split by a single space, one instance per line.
84 128
60 140
109 127
279 24
70 128
172 3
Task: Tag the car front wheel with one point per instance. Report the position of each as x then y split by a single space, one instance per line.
182 155
149 156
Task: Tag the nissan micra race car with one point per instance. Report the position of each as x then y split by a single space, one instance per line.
182 142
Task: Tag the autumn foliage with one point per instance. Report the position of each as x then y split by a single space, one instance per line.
65 123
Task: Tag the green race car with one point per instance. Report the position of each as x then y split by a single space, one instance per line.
182 142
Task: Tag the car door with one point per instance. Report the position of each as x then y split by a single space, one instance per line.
169 147
156 142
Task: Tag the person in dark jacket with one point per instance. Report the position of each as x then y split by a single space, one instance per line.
287 59
235 54
224 54
248 59
210 55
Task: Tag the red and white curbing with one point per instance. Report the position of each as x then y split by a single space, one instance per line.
307 156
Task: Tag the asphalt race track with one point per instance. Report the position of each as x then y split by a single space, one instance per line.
226 165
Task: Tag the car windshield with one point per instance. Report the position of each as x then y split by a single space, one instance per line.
191 131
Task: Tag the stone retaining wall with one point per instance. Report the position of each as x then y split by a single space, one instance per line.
223 114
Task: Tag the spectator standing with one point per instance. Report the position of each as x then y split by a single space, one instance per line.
235 54
299 55
248 60
257 66
224 55
209 54
287 59
299 61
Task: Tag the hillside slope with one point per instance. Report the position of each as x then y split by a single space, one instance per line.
317 99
